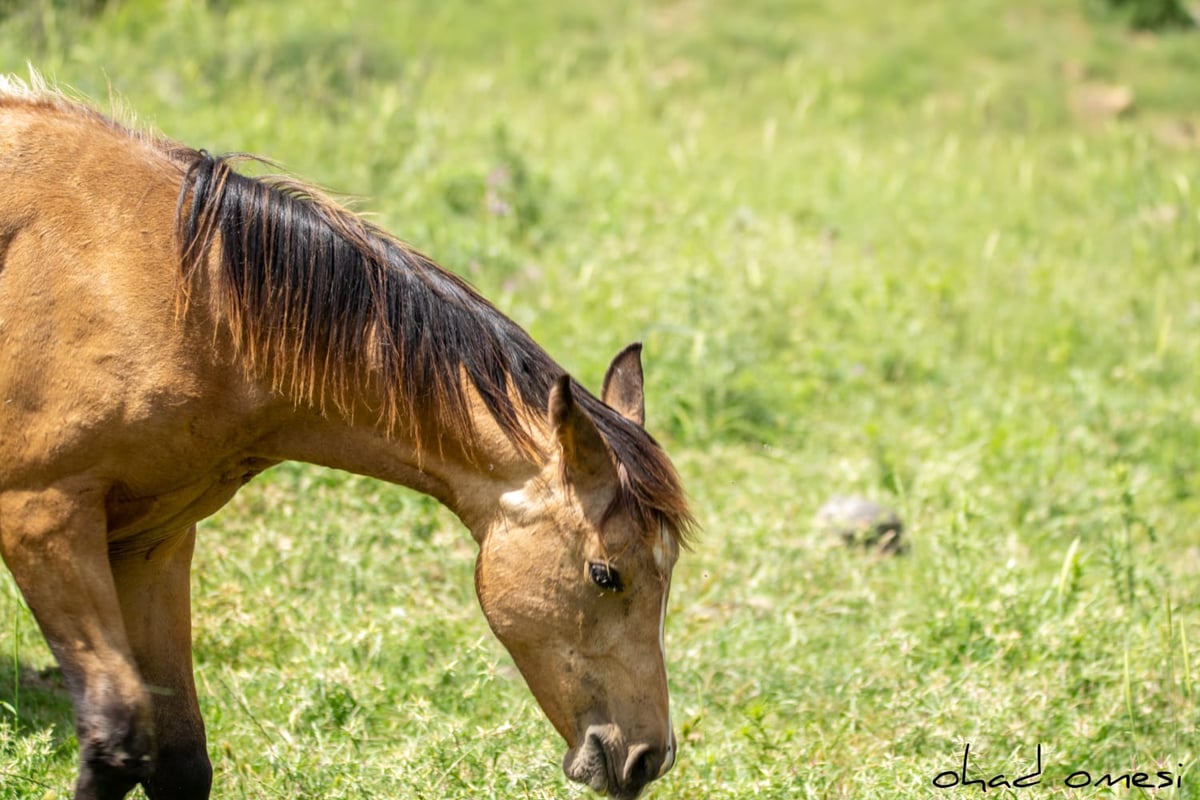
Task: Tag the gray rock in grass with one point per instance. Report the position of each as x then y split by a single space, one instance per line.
861 522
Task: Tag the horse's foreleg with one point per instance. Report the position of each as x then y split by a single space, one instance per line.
54 542
154 591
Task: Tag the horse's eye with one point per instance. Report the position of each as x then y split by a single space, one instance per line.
605 577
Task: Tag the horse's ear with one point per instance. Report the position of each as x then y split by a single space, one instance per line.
622 388
583 449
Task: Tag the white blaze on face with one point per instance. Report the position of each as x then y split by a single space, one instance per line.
662 558
662 551
669 760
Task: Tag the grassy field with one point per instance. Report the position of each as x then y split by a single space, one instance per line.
946 255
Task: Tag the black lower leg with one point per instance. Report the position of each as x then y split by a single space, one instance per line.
182 773
116 750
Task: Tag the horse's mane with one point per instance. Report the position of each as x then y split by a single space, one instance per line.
324 303
327 304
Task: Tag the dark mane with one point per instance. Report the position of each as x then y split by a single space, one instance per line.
324 303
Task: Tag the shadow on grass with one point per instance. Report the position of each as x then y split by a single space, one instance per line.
40 699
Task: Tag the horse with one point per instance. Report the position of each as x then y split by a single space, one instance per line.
171 327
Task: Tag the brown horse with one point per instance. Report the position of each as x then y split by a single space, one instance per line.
169 328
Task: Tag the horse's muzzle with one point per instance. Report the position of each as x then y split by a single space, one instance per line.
605 764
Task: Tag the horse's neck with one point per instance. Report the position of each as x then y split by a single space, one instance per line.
467 474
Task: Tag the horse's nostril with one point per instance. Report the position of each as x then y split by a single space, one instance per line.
642 765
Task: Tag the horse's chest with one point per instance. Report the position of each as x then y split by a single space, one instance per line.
138 521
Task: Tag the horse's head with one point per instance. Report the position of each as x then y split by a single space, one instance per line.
574 582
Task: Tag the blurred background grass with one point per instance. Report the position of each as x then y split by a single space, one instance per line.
945 255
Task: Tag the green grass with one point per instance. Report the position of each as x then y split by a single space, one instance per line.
874 248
